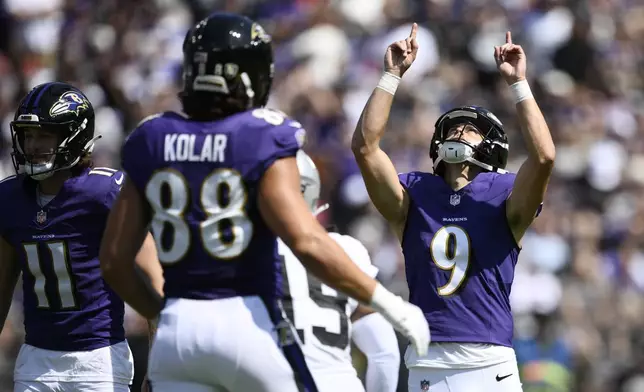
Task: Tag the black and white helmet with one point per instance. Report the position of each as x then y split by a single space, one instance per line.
60 108
491 154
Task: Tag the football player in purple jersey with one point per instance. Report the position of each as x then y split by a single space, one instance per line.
52 219
218 184
461 227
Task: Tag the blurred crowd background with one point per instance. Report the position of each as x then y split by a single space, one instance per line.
577 296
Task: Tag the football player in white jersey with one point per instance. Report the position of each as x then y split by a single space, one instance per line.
326 320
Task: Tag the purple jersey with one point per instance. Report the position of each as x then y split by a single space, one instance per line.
67 304
201 181
460 256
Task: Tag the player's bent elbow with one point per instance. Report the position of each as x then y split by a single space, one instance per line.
546 155
360 148
109 268
547 158
544 161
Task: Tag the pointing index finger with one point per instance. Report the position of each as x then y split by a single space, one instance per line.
414 29
508 37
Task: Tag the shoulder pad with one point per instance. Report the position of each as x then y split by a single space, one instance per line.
102 171
504 181
410 179
112 178
9 183
268 135
158 116
103 185
8 180
273 118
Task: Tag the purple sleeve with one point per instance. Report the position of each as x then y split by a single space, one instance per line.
270 145
116 182
136 157
504 183
408 180
403 177
7 188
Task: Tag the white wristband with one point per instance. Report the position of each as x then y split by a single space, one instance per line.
389 83
384 301
521 91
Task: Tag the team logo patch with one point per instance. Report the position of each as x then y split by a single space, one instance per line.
70 102
257 31
41 217
455 199
300 137
424 385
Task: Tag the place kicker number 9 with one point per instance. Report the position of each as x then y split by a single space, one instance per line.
450 251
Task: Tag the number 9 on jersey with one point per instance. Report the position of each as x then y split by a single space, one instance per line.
450 251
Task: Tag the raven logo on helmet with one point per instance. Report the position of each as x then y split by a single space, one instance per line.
257 31
62 110
70 102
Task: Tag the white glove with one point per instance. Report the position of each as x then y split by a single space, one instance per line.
406 318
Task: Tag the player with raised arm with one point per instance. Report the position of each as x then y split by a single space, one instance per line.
51 223
326 320
460 228
218 185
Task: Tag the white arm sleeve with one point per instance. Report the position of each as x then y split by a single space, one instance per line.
375 337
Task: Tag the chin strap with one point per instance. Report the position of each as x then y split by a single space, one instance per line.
477 163
459 152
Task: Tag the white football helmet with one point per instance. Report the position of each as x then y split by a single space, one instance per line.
310 182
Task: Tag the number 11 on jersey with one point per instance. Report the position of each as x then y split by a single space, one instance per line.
56 255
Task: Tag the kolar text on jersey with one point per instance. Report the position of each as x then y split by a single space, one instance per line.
180 147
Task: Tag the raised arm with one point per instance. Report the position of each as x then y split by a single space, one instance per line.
379 173
533 176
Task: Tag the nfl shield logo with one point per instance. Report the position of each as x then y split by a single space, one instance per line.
41 217
424 385
455 199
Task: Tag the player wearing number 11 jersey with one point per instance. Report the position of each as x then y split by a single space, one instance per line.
460 227
52 217
218 185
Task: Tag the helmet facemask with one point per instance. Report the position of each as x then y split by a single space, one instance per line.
490 154
66 155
